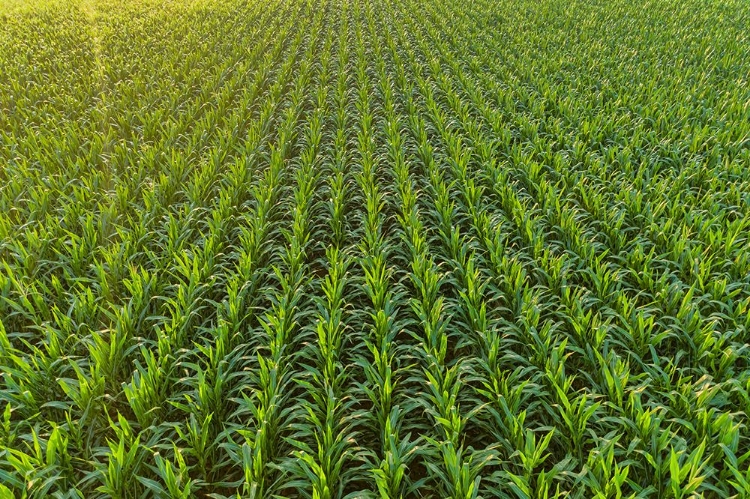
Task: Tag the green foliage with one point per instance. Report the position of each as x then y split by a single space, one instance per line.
387 249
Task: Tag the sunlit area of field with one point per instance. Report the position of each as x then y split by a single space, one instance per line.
374 249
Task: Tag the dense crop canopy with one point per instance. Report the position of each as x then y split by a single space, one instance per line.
387 249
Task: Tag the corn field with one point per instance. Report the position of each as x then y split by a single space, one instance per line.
374 249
